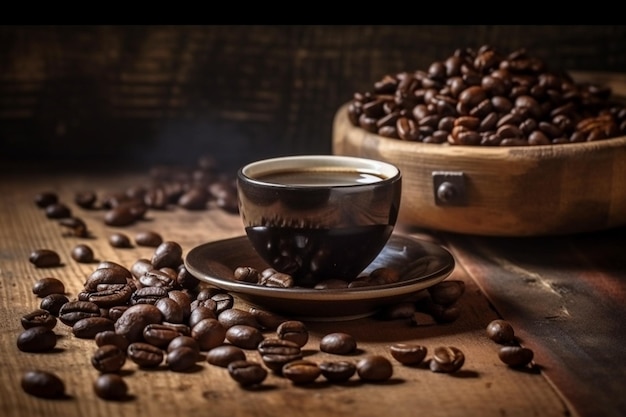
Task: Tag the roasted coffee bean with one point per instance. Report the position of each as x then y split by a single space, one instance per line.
47 286
148 295
181 359
247 373
110 387
120 216
75 310
157 278
58 211
120 240
447 359
267 319
183 340
42 384
116 266
195 198
88 327
501 331
224 301
44 258
85 199
82 253
37 339
183 299
145 355
171 310
277 352
209 333
116 312
234 316
75 227
247 274
199 313
140 267
106 275
108 358
338 343
185 279
38 317
132 322
337 371
46 198
244 336
109 337
408 353
515 356
301 371
148 238
374 368
277 279
111 295
447 292
225 354
294 331
53 303
441 313
159 335
167 254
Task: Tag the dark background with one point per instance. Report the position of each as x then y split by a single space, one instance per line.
144 95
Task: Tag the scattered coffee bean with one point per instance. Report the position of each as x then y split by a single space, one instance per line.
247 373
109 337
37 339
42 384
44 258
301 371
447 359
294 331
244 336
338 343
184 341
85 199
46 198
108 358
167 254
89 327
82 253
374 368
148 238
209 333
39 317
53 303
337 371
247 274
120 240
75 310
58 211
47 286
515 356
145 355
110 386
225 354
277 352
267 319
408 353
134 319
181 359
233 316
76 227
501 331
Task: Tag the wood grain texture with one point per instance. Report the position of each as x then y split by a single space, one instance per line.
483 387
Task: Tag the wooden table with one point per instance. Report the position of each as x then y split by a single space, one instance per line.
563 295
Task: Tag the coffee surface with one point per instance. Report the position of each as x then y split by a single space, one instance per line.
320 177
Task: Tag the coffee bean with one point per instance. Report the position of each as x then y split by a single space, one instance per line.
338 343
88 327
85 199
120 240
244 336
294 331
109 337
234 316
500 331
75 310
44 258
82 253
58 211
181 358
374 368
46 198
200 313
75 227
267 319
337 371
247 373
38 317
408 353
225 354
301 371
37 339
172 311
447 292
110 387
167 254
47 286
247 274
140 267
135 319
53 303
145 355
42 384
277 352
108 358
447 359
120 216
183 341
209 333
148 238
515 356
159 334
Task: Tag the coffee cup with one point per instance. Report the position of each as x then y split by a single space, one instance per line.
319 217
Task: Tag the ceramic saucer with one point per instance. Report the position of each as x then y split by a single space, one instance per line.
422 264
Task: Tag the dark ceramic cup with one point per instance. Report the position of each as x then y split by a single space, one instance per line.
319 217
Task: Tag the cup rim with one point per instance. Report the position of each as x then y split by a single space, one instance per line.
389 171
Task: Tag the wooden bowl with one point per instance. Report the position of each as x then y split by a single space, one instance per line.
500 191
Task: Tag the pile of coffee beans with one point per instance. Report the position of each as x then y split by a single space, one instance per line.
485 97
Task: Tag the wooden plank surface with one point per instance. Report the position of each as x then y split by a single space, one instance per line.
484 386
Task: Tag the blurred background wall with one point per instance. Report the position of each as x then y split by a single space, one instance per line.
145 95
